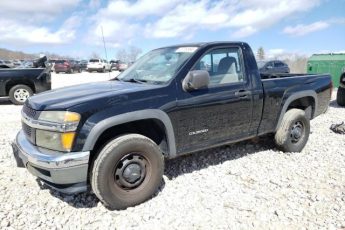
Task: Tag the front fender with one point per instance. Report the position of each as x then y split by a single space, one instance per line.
103 125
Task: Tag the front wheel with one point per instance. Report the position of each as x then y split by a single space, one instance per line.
293 133
19 93
127 171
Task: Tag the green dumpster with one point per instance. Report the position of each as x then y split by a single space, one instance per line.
333 64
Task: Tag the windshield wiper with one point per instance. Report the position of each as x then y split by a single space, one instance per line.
135 80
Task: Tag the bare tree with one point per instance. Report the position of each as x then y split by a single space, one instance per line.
129 55
297 64
122 55
261 53
134 52
95 55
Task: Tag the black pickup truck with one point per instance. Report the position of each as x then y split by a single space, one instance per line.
19 84
175 100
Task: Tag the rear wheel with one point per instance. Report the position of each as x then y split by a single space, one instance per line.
293 133
341 96
19 93
127 171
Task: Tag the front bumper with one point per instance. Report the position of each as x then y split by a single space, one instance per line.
62 69
95 69
65 172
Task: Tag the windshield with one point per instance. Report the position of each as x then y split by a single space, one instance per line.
158 66
261 64
94 60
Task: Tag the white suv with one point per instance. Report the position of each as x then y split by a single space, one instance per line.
98 65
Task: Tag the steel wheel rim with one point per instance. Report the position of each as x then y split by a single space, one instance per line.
130 171
21 95
297 132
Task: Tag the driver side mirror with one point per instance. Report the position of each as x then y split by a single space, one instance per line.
196 79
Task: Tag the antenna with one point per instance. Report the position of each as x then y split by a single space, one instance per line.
105 50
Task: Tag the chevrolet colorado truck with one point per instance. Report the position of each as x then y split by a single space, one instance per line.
20 83
114 136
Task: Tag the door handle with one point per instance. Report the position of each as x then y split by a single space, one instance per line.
242 93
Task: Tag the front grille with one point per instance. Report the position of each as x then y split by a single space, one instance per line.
29 112
27 129
29 132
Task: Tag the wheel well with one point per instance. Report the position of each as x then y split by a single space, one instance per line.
10 84
151 128
305 103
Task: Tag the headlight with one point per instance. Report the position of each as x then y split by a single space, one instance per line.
55 130
62 121
54 140
59 116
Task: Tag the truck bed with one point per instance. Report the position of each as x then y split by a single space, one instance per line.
282 75
279 87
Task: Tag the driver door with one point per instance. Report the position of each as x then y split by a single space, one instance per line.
217 114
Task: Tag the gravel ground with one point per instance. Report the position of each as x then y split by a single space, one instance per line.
240 186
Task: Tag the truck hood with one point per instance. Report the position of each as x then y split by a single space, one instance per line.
67 97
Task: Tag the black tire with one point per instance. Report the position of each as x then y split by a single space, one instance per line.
293 133
341 96
57 72
19 93
108 176
103 70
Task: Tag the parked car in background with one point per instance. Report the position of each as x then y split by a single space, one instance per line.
26 64
67 66
122 66
99 65
83 64
9 63
21 83
16 63
114 64
272 67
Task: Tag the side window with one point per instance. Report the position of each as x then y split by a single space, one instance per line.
270 64
224 66
278 64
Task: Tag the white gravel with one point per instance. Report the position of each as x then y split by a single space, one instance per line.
241 186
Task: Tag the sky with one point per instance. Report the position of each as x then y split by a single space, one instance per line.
74 27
